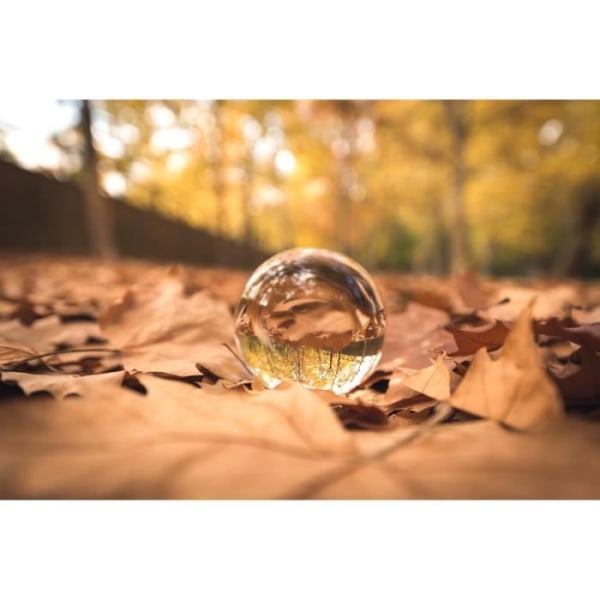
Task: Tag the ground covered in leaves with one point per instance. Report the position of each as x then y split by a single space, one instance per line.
121 381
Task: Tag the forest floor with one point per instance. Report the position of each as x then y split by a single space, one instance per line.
119 380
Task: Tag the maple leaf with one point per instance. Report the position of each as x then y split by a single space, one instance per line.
513 389
158 328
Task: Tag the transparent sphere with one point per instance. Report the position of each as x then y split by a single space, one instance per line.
310 316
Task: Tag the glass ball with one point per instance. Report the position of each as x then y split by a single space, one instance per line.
310 316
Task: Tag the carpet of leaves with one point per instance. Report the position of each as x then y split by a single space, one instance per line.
120 380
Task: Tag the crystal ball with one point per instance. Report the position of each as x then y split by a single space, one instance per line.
310 316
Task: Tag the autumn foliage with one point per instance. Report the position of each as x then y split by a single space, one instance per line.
122 381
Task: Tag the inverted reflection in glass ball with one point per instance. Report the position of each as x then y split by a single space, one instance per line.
310 316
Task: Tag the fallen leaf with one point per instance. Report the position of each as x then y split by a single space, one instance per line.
557 301
62 385
514 389
468 341
179 441
471 291
476 460
583 317
587 335
176 441
583 386
11 352
412 337
361 416
49 333
157 328
175 435
433 381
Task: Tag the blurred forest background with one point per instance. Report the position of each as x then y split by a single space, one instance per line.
507 187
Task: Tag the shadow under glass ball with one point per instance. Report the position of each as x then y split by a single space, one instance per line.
310 316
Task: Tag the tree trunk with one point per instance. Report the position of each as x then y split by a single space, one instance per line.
247 194
578 246
344 172
457 122
99 217
216 163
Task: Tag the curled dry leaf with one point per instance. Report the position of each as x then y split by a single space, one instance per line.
158 328
514 389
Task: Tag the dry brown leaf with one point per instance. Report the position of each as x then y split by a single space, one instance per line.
468 341
514 389
471 290
62 385
45 335
185 441
583 386
478 459
361 416
553 302
11 352
412 336
157 328
587 335
433 381
584 317
177 441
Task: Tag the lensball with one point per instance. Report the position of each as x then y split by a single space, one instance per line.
310 316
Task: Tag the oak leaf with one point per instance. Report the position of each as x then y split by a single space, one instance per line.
513 389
